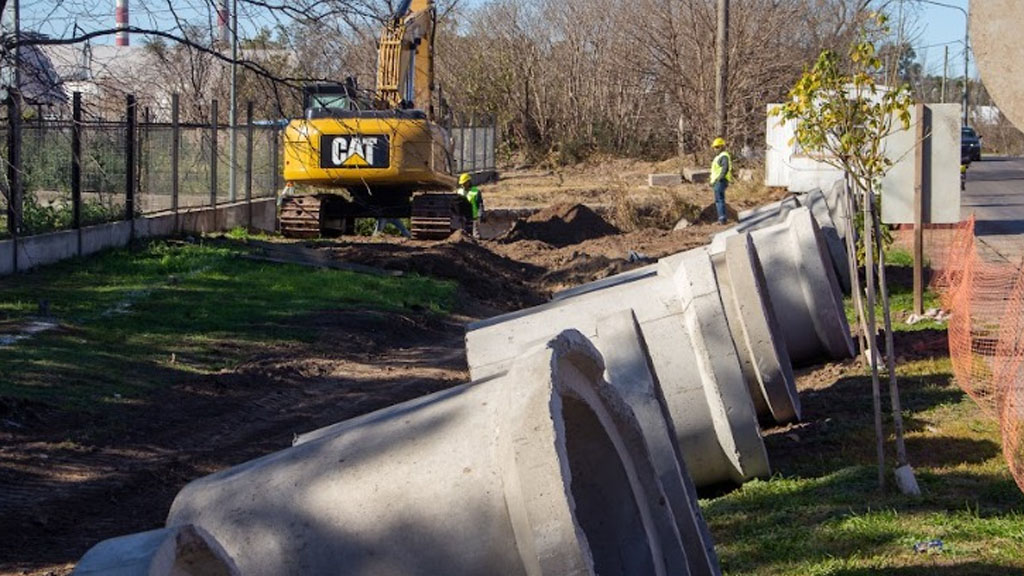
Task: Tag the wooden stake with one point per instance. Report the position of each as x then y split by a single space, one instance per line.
919 193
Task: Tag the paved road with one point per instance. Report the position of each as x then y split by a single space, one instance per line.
995 193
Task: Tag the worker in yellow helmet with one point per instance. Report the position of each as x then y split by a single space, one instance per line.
721 176
474 201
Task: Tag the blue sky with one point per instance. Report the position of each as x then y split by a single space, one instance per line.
937 25
932 25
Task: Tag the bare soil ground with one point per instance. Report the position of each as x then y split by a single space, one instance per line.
121 478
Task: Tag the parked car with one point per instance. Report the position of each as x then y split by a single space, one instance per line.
970 145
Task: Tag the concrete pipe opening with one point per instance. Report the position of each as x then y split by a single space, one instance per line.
598 488
613 525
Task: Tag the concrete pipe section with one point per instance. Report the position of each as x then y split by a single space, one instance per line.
756 332
999 53
803 288
827 211
180 551
628 368
541 470
683 322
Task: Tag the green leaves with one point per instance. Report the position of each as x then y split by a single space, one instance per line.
843 114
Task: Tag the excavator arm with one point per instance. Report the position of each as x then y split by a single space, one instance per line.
405 59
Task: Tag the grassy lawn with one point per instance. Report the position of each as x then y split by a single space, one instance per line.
823 514
132 321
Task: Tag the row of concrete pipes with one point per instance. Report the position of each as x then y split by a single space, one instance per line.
576 449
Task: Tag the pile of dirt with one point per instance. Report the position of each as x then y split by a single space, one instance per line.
561 225
599 258
709 215
487 277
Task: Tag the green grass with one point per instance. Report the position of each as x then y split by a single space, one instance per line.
899 276
124 314
823 514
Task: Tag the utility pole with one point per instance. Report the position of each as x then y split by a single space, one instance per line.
232 154
967 59
945 72
721 67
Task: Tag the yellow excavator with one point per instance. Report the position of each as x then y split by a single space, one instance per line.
380 156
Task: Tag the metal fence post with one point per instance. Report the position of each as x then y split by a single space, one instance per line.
248 164
275 158
472 130
76 165
462 145
14 171
129 162
213 153
144 178
175 156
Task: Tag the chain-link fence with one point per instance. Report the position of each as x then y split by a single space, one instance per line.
162 180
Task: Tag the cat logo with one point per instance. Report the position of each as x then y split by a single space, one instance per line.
354 151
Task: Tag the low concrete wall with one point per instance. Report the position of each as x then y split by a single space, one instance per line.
45 249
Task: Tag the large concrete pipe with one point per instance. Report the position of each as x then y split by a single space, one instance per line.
803 287
828 212
999 53
180 551
693 357
615 280
628 368
541 470
756 332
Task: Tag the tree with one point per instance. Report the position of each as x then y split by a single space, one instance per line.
844 115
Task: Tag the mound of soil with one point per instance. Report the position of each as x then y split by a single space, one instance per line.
492 279
709 215
561 225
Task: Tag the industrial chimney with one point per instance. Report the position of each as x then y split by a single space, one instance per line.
121 18
224 22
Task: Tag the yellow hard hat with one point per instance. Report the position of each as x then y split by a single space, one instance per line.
464 179
718 143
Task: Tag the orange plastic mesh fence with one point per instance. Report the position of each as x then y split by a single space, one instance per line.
986 335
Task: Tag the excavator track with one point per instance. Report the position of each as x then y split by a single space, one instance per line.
300 216
435 216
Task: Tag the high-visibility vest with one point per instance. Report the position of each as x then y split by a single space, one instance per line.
716 167
473 197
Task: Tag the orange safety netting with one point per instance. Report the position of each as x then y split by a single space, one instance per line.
985 299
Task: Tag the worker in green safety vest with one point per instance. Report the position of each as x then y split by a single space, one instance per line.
721 176
474 202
